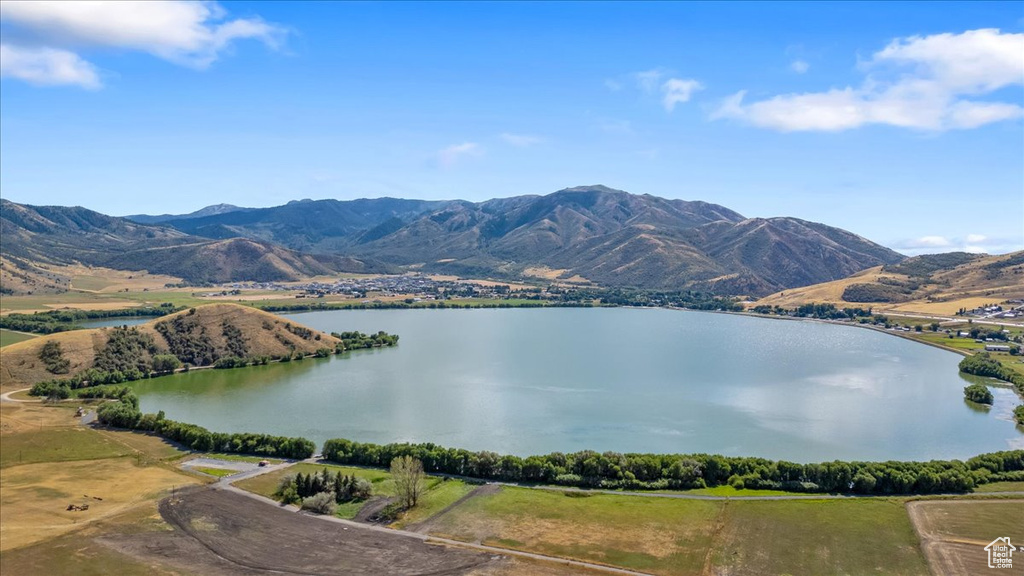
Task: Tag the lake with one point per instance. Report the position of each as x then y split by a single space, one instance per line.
116 321
533 381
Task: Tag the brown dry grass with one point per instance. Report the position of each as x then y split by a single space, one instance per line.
108 280
35 496
29 416
966 286
826 292
947 308
20 365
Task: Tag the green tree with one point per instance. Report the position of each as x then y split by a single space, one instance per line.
407 475
165 363
978 393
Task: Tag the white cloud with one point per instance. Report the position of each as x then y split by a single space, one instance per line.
191 34
521 140
672 90
799 66
648 80
929 242
451 155
47 67
613 85
977 243
677 90
923 83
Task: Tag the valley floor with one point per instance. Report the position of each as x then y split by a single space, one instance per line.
149 514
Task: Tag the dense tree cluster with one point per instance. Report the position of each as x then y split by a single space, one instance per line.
341 487
236 343
300 331
188 340
983 364
358 340
830 312
662 471
52 356
978 393
821 311
127 350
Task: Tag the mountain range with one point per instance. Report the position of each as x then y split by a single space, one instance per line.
591 233
67 235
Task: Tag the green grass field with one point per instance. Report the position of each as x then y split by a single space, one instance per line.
1001 487
682 537
58 445
440 495
660 535
8 337
729 491
218 472
810 537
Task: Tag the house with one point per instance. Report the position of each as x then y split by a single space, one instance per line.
1000 553
997 348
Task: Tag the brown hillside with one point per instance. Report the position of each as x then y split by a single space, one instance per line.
264 334
932 284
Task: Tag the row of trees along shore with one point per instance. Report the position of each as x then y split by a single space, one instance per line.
589 469
125 413
610 470
53 321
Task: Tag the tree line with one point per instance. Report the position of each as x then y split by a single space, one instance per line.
983 364
359 341
611 470
125 413
54 321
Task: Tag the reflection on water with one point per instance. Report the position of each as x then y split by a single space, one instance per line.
530 381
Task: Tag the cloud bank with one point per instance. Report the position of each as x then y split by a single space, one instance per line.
930 83
50 34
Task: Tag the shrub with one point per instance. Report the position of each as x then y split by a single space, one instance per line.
321 503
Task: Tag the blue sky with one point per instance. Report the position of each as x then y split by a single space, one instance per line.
900 122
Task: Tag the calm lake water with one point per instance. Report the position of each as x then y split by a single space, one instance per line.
528 381
116 321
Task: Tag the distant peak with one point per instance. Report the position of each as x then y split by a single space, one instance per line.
592 188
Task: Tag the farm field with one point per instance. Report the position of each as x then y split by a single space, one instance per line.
48 462
658 535
11 337
684 537
954 533
809 537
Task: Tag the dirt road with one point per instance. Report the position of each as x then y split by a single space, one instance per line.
222 532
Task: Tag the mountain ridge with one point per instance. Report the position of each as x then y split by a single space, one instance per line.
607 236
